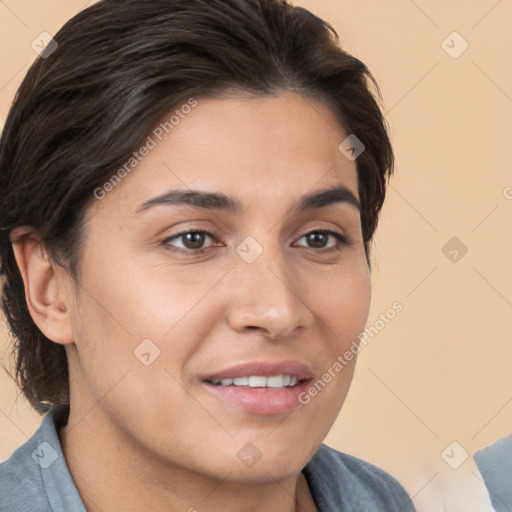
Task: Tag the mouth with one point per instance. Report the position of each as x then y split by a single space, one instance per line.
261 387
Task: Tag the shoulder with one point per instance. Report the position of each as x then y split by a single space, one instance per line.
21 484
36 477
340 482
500 451
495 465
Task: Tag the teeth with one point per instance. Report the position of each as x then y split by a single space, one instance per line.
275 382
257 381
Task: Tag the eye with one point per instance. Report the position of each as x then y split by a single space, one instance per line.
192 240
319 239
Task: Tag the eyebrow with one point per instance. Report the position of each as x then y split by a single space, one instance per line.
219 201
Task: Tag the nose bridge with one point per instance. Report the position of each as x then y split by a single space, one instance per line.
265 295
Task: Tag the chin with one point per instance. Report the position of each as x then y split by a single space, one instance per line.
263 472
265 462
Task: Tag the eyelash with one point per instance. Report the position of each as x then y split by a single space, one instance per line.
343 241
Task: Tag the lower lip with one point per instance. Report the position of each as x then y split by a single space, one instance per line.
265 401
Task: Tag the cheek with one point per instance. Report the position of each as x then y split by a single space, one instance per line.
102 345
342 303
133 300
122 304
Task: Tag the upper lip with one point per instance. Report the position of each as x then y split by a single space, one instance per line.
264 369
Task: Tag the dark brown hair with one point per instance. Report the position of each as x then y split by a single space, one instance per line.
82 111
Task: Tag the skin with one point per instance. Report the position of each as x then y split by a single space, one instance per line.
154 433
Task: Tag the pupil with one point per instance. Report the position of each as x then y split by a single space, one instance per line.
317 239
194 240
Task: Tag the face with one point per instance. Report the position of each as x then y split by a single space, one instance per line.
182 293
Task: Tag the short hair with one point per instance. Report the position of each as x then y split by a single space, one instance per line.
83 109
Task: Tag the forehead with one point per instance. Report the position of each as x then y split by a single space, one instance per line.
260 150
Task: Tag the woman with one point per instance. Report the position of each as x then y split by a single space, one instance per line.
189 194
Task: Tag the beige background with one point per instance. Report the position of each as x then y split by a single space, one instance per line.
440 371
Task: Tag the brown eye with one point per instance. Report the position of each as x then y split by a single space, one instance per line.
317 239
189 240
193 240
320 239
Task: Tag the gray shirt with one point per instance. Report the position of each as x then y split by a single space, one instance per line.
495 466
36 478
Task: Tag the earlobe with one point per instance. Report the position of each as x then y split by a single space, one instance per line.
46 285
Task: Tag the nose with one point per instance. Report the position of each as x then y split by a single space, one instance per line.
268 296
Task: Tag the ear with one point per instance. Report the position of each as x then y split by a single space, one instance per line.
47 285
